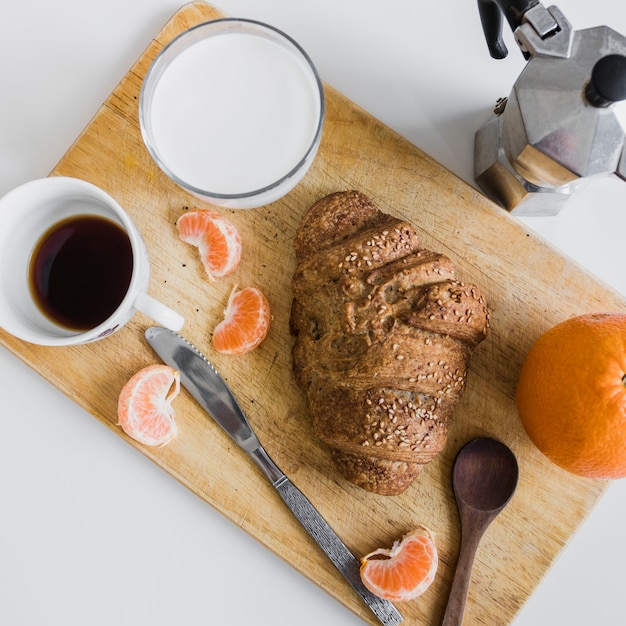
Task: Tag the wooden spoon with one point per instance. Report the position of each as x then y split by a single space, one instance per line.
484 478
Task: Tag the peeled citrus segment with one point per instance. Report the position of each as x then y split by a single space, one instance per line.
217 239
245 324
144 406
403 572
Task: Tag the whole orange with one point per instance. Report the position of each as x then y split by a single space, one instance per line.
571 395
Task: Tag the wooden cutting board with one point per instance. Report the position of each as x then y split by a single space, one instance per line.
529 286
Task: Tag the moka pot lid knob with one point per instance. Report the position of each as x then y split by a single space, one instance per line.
608 81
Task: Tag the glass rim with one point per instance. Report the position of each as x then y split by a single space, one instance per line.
155 66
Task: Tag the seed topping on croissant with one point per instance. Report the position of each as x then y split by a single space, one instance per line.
383 336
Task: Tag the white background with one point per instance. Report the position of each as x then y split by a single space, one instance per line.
92 533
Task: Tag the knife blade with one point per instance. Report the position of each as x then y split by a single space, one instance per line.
209 389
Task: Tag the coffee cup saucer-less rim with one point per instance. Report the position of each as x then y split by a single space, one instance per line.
159 65
71 189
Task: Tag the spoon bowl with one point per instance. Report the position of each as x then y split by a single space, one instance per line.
484 478
485 474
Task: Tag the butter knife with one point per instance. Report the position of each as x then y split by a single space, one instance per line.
205 384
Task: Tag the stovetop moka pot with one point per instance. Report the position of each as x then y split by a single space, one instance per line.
557 129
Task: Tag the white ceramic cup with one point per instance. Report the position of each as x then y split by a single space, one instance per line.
26 214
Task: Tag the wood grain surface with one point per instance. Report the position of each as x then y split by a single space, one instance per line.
529 286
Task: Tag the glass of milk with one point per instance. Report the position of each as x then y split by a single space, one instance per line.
232 110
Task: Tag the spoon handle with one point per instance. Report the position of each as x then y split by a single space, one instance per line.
462 576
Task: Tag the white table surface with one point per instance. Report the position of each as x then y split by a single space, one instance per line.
91 532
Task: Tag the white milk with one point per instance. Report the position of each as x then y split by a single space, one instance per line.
234 113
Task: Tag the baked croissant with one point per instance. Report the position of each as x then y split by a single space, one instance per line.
383 336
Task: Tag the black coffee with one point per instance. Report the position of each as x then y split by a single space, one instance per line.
80 271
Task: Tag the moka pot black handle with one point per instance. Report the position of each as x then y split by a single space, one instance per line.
491 13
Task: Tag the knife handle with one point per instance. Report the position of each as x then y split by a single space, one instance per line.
335 549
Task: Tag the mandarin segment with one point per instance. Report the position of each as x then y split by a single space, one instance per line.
246 322
217 239
405 571
144 407
571 395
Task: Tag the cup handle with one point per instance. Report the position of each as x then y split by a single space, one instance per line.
160 313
